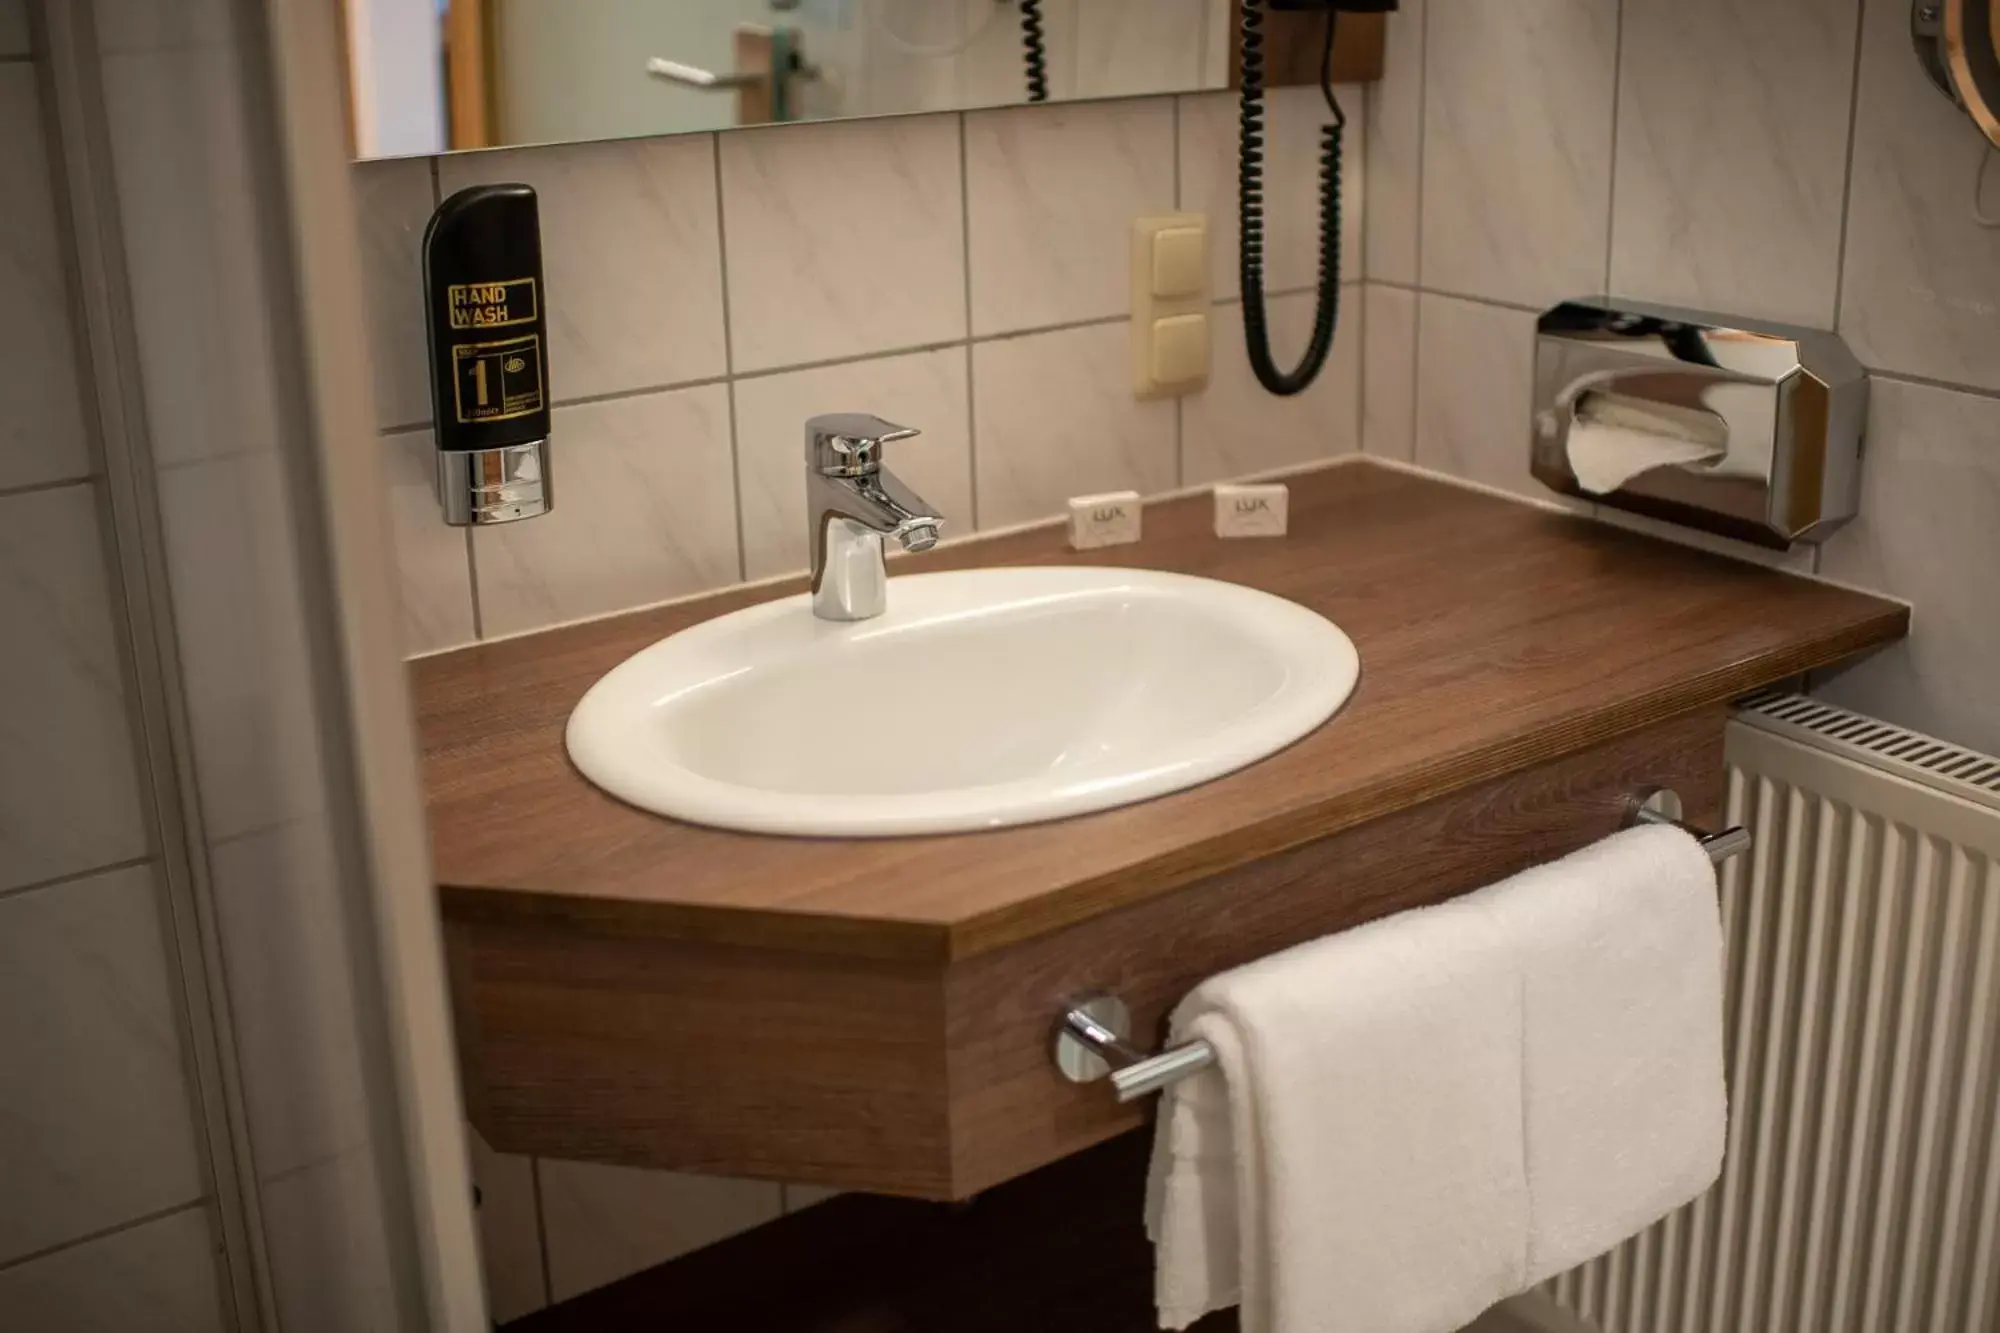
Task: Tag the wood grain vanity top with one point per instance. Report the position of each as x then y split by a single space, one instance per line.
1493 635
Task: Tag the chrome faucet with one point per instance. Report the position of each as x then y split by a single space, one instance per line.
852 503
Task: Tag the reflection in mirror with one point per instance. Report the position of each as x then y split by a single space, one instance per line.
433 75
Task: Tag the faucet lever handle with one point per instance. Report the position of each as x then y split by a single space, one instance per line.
849 444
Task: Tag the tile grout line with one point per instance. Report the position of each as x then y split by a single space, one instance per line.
1847 184
881 354
1417 287
106 1233
72 876
1423 134
541 1231
1496 302
472 584
729 358
1361 370
1611 185
1180 400
37 487
965 277
1361 347
1904 377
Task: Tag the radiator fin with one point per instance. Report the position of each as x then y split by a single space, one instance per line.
1861 1189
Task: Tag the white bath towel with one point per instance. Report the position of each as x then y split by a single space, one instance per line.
1354 1163
1414 1119
1624 1112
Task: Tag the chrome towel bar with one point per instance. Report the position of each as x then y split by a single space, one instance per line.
1091 1038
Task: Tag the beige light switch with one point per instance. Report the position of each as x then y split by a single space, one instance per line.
1170 298
1180 261
1180 349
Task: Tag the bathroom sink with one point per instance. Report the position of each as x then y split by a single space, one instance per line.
978 699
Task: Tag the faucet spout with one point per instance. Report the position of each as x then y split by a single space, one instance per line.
852 504
884 505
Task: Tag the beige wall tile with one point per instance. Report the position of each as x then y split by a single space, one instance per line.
125 26
433 559
510 1231
98 1128
1394 137
288 962
13 27
1389 372
1732 200
157 1276
1234 427
645 510
233 566
1517 147
194 241
843 239
1927 532
926 390
41 426
631 254
1051 193
1054 416
69 793
1474 368
330 1262
392 205
1922 288
69 797
1209 143
607 1222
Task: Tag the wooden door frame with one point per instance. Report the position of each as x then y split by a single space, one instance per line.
470 57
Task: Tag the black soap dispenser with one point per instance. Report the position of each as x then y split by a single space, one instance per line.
487 315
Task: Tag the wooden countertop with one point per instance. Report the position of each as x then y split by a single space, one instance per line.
1492 635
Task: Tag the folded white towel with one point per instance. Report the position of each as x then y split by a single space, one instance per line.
1415 1119
1368 1105
1625 1108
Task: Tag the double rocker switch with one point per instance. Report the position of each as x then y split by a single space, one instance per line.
1170 298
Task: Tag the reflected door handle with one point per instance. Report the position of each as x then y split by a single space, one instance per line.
694 76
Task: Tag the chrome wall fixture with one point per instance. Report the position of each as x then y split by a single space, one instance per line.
1746 428
1093 1036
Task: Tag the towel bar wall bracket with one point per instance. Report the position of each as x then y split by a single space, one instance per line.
1093 1036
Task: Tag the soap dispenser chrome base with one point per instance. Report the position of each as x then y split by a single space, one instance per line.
481 486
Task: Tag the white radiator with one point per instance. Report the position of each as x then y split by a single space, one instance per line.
1861 1191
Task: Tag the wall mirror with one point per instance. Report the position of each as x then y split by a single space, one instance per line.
429 76
434 75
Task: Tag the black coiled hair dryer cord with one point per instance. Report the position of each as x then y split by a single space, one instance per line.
1037 55
1250 214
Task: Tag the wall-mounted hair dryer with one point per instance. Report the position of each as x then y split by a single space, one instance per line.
1250 196
1958 42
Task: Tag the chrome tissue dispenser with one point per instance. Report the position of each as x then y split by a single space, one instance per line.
1746 428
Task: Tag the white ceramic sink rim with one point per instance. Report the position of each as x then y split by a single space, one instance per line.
980 699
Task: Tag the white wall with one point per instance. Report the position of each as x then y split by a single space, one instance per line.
396 55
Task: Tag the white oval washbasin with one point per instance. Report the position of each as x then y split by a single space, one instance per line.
980 698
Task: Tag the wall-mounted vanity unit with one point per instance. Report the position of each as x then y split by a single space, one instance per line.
880 1014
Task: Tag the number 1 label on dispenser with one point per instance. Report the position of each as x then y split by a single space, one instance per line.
498 380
